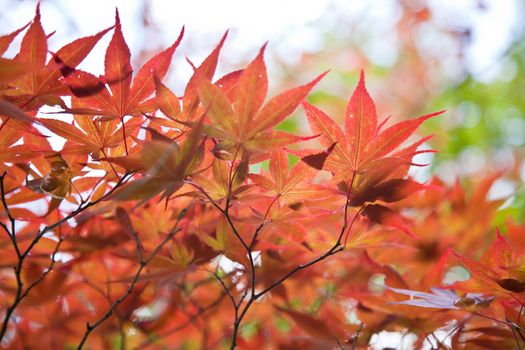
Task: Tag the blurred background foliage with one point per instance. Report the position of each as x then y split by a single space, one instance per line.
425 60
465 56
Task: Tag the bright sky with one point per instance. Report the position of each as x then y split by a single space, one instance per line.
290 26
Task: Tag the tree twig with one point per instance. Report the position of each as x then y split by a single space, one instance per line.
240 310
20 293
90 327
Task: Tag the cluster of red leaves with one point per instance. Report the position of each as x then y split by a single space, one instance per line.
151 227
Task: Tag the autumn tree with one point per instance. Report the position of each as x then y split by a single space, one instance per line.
194 222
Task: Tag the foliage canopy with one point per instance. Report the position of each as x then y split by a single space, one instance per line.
161 229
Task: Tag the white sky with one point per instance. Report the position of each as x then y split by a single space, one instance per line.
290 26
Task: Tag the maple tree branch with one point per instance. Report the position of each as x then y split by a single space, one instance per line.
109 162
201 190
90 327
9 311
223 211
238 317
345 215
238 320
20 294
331 251
46 272
18 267
226 290
515 330
10 232
506 322
236 232
248 248
226 210
252 244
74 213
4 199
263 222
336 248
231 175
351 224
345 219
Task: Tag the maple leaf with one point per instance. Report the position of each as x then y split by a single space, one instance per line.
495 272
363 156
93 138
180 115
385 216
314 326
15 129
290 185
11 69
243 123
124 95
225 182
166 165
116 94
226 243
5 40
97 239
42 84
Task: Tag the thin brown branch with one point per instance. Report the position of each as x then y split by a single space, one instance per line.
20 294
336 248
74 213
263 222
46 272
240 312
10 231
4 199
226 290
90 327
